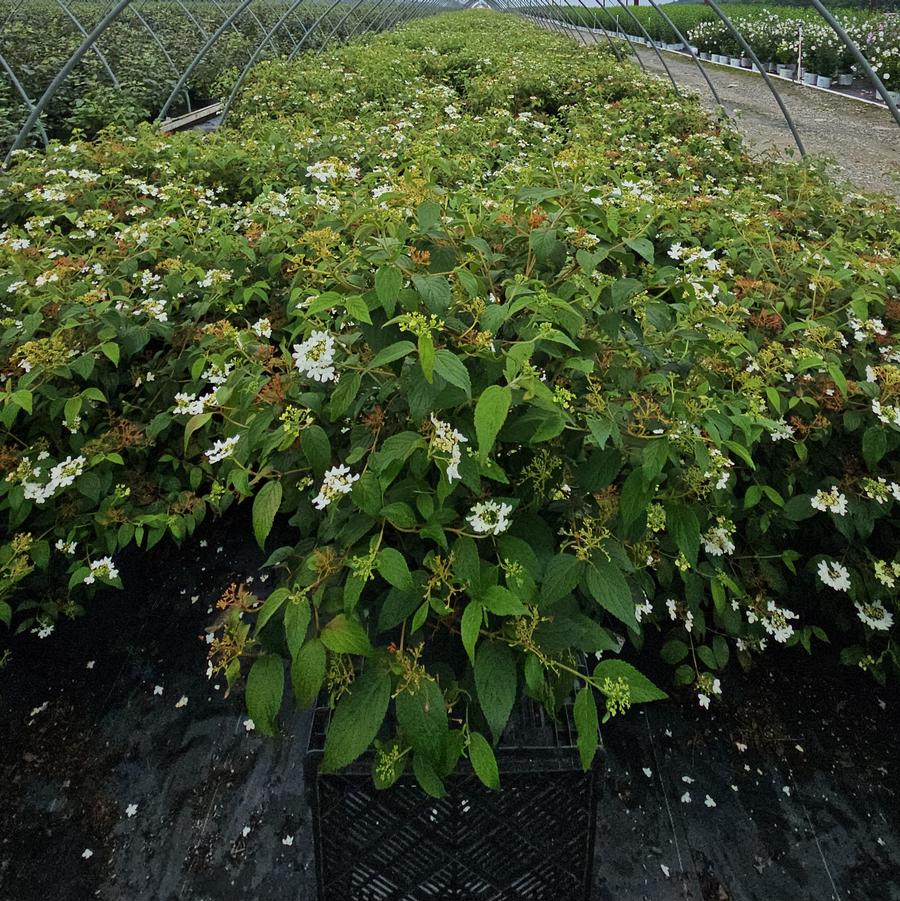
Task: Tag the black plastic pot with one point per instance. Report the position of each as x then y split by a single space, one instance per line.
531 841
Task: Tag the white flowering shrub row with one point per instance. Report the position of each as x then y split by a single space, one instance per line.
529 357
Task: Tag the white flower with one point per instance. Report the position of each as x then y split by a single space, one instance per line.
834 575
686 798
832 501
315 357
63 474
221 450
102 568
717 541
187 405
87 854
262 328
43 630
337 481
490 517
703 700
708 801
642 610
218 375
782 431
157 689
67 547
447 440
288 840
131 810
776 622
182 701
875 616
249 725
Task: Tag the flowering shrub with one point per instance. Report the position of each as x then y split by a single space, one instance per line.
529 355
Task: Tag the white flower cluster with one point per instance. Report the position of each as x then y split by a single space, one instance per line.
223 449
191 405
66 547
337 481
782 431
218 375
887 573
262 328
315 357
103 569
61 476
889 414
446 440
717 540
864 330
672 607
834 575
875 616
776 621
720 468
832 501
880 490
489 517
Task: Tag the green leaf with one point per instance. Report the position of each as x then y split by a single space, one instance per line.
502 602
308 673
426 356
272 605
22 399
635 497
296 621
366 494
392 352
607 586
584 712
422 716
427 778
197 421
388 282
344 394
874 445
357 719
428 215
399 514
265 506
490 414
642 247
265 687
317 448
674 651
111 351
560 578
450 368
642 689
495 682
357 308
470 627
684 527
435 292
392 568
481 756
346 636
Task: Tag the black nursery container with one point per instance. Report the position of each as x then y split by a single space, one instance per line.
531 841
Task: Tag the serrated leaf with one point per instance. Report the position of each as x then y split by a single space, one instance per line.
346 636
395 351
317 449
265 507
308 673
874 445
490 414
607 586
388 282
270 607
584 711
357 719
297 615
265 688
501 601
470 627
496 683
642 689
450 368
684 527
560 578
427 778
481 756
422 716
392 567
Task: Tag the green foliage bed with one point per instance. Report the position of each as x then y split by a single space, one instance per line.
528 354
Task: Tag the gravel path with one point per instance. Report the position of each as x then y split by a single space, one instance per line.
862 141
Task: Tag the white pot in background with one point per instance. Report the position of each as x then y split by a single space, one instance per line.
809 77
845 80
705 55
823 81
734 61
746 62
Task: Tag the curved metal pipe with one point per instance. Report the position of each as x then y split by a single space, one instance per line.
761 69
94 48
62 75
605 34
198 58
24 95
162 49
652 44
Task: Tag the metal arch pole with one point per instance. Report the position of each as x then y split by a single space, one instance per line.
570 28
646 34
198 58
252 16
405 13
23 94
94 48
387 17
762 71
346 16
609 40
162 48
637 57
256 55
857 53
311 29
690 50
62 75
203 32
